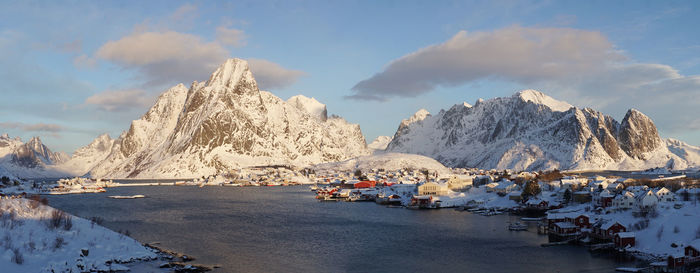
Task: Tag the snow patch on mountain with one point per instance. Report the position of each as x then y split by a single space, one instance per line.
387 161
86 157
310 106
538 97
379 143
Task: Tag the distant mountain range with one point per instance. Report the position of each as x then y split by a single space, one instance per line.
532 131
226 123
30 159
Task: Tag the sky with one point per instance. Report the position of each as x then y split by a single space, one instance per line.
72 70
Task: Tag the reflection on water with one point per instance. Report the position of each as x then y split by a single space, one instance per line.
284 229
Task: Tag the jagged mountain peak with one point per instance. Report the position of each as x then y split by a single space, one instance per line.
418 116
230 73
538 97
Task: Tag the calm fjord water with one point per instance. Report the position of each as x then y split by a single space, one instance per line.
284 229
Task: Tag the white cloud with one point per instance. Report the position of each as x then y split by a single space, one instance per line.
515 53
271 75
230 36
120 100
165 57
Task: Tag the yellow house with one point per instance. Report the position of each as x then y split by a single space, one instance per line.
432 188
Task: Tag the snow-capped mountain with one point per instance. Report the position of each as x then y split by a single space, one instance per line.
379 143
85 158
226 123
29 160
532 131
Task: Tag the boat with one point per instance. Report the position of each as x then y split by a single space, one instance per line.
313 188
517 226
127 196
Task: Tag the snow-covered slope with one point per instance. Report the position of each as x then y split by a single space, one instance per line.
88 156
689 153
379 144
29 160
387 161
227 123
532 131
310 106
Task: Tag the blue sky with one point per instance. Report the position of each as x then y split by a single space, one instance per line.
72 70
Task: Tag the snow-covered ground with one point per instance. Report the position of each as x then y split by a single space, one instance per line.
38 238
387 161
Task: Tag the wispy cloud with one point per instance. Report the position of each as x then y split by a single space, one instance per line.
514 53
272 75
36 127
120 100
230 36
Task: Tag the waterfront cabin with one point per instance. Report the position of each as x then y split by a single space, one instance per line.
553 218
606 229
432 188
581 221
421 201
624 239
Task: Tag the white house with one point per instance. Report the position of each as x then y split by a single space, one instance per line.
615 187
432 188
647 200
505 186
625 200
665 195
460 182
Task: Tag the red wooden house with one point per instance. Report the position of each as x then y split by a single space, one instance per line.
624 239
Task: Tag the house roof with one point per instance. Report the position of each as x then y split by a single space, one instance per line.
609 224
565 225
695 244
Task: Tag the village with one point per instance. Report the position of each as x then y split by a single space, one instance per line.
654 217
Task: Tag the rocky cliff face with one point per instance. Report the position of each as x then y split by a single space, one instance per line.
638 135
226 123
532 131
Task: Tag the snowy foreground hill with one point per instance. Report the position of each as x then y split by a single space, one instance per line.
388 161
532 131
222 124
38 238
